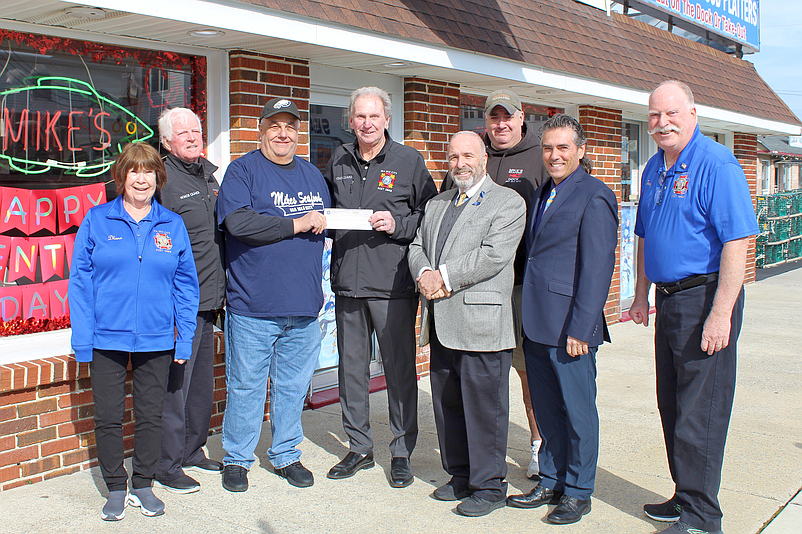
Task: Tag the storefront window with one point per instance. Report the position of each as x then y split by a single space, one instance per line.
67 108
328 128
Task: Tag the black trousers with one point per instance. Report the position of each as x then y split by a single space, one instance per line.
470 395
188 404
108 371
563 392
694 394
393 320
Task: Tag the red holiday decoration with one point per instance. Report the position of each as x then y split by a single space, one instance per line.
14 210
22 259
51 257
35 301
70 208
59 301
10 303
5 250
42 211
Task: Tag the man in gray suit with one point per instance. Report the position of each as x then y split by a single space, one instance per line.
463 256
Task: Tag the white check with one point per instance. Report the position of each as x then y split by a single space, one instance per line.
342 219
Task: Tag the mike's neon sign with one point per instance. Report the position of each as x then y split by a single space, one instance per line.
65 124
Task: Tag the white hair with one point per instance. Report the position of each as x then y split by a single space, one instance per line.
168 116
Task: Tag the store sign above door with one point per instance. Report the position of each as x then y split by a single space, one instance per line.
58 124
736 21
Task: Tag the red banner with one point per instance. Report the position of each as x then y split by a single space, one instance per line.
69 244
42 211
10 302
51 257
22 260
5 251
40 301
59 303
35 301
14 209
70 208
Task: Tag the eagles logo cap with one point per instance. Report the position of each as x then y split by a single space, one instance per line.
504 98
279 105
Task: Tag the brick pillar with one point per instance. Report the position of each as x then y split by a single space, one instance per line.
603 132
431 117
253 80
746 153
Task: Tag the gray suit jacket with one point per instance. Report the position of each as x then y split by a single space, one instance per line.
478 255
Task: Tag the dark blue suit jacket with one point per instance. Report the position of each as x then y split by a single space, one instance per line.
569 264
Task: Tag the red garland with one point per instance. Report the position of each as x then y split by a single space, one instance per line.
98 52
16 327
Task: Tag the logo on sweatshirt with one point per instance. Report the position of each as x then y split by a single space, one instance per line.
387 180
163 241
515 175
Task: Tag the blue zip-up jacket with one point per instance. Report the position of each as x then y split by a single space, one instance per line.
121 301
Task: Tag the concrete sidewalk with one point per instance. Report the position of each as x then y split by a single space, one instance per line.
762 469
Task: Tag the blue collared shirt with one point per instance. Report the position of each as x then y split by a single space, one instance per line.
702 202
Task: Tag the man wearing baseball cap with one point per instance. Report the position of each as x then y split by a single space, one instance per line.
269 207
514 160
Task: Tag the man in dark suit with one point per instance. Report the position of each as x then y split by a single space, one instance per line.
462 257
571 239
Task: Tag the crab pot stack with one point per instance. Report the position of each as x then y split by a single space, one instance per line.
780 222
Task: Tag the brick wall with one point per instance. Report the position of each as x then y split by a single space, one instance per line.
253 80
431 117
46 411
746 152
603 132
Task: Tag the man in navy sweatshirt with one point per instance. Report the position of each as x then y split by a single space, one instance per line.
269 206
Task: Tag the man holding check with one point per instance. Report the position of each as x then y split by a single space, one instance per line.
374 290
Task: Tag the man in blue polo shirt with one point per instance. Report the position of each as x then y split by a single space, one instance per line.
269 206
695 218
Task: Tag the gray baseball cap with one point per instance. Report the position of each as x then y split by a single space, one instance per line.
279 105
504 98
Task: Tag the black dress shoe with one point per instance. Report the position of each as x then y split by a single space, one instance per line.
207 465
451 492
477 506
182 484
537 497
235 478
400 473
569 510
349 465
297 475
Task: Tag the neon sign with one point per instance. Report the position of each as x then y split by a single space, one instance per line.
64 123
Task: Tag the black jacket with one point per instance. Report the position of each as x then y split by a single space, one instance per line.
191 192
520 168
368 263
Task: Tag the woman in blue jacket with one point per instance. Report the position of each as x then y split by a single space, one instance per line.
133 295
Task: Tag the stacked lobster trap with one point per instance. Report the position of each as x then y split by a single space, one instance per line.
779 217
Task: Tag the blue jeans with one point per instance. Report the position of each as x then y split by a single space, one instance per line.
284 348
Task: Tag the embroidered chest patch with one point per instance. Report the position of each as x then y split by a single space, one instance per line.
163 241
681 185
387 180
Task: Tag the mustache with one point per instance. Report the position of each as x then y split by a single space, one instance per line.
668 128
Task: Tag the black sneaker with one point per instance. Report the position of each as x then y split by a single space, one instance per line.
235 478
668 511
182 484
206 465
297 475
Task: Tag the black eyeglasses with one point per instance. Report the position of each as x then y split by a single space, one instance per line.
661 186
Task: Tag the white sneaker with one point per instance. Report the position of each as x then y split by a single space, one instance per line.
534 465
